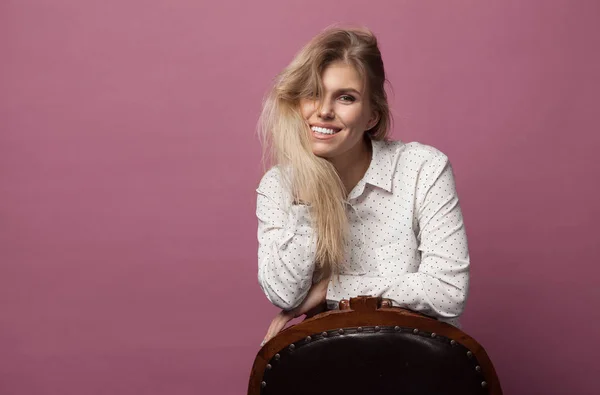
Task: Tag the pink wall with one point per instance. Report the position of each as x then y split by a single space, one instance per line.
128 163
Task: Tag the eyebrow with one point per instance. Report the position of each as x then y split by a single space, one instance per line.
348 90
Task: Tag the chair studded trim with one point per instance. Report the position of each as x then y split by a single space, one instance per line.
372 349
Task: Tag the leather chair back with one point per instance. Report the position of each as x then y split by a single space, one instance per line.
368 347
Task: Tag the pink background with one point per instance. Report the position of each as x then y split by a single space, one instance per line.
128 163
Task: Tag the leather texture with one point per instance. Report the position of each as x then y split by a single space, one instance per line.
374 360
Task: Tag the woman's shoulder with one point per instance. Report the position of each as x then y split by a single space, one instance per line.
411 162
413 150
271 178
415 155
274 181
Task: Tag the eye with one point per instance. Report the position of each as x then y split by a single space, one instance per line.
347 98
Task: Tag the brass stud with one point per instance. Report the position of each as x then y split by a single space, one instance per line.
308 338
269 366
415 331
292 347
359 329
453 342
397 328
484 384
277 356
324 334
263 384
341 331
469 354
478 368
377 329
433 335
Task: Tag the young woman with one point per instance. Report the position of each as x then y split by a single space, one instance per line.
344 211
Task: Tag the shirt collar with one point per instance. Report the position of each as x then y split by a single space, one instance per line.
380 170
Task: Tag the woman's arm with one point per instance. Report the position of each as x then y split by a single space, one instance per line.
440 286
287 245
311 305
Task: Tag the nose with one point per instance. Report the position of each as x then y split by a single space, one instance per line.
325 112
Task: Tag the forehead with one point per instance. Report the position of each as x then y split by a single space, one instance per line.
341 76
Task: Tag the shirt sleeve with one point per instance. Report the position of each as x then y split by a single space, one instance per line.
286 244
440 285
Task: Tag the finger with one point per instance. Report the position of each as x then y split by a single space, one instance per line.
276 325
270 331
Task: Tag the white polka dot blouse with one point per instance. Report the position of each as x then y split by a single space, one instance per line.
407 239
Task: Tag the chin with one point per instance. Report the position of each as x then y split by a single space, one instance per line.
323 153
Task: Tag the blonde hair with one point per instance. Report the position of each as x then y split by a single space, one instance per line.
286 135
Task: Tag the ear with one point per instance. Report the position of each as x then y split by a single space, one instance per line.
373 121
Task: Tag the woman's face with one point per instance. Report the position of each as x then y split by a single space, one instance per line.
338 128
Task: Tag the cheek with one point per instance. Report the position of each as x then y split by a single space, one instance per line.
306 109
352 119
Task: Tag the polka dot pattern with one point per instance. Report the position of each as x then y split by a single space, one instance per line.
407 238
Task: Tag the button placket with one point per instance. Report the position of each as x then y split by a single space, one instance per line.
356 242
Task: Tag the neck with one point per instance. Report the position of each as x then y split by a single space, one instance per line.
353 165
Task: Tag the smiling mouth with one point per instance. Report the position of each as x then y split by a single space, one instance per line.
321 130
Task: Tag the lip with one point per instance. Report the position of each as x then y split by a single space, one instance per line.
321 136
325 125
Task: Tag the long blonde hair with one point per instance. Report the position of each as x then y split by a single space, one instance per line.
286 135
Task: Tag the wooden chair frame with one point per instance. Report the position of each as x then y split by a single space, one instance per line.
372 312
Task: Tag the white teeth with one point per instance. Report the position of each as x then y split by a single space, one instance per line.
323 130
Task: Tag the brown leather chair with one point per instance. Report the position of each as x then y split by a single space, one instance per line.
368 347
